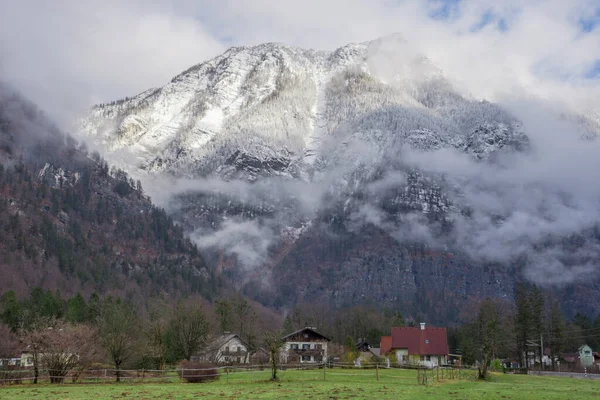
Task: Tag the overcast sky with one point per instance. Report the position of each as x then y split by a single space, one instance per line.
68 54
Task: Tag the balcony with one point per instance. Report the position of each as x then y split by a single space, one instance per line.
236 353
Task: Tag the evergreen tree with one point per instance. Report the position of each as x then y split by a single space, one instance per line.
10 310
523 325
77 311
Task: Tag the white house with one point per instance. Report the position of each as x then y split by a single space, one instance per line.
224 349
304 346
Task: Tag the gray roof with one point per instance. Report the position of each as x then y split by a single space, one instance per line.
219 341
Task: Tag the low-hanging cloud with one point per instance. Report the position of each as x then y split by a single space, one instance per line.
249 241
527 204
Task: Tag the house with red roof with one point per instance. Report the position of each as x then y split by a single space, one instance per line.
424 346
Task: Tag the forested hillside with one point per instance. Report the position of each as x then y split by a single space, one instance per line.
69 222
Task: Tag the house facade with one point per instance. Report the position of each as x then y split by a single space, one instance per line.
304 346
417 346
586 356
24 360
224 349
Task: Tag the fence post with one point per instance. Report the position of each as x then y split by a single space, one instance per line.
105 373
324 373
377 370
227 373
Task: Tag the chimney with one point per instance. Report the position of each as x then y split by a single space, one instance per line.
422 326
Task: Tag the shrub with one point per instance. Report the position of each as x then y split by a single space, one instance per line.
12 374
197 373
496 365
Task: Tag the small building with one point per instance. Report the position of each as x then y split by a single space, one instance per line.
586 356
362 346
24 359
10 362
228 348
260 356
304 346
419 346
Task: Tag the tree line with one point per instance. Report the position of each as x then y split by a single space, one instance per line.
116 333
525 329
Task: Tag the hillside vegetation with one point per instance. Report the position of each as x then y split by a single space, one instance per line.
69 222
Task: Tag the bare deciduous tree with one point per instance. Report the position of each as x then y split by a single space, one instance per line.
156 342
66 347
32 337
488 323
118 330
273 344
190 328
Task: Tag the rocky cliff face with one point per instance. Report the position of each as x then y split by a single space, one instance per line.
353 176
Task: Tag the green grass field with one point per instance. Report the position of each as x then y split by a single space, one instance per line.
339 384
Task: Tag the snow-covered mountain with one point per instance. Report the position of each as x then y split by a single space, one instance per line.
272 150
273 101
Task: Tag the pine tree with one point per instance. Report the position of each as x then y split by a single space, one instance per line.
76 309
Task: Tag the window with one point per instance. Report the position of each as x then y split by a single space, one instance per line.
305 358
306 336
426 341
29 360
428 358
226 349
403 357
306 346
239 349
237 360
294 346
318 346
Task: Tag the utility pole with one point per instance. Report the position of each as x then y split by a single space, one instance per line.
531 343
542 351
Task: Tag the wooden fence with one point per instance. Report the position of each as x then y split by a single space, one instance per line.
239 373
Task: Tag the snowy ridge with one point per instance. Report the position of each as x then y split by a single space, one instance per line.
274 92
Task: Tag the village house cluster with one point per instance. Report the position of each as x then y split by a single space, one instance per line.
421 346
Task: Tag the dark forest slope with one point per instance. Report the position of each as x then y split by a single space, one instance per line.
68 222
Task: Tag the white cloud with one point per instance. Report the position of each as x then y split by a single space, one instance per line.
68 54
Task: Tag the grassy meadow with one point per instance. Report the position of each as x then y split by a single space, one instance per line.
339 384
